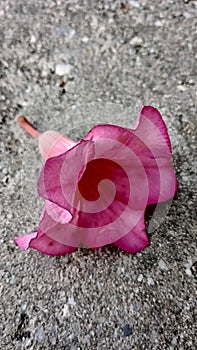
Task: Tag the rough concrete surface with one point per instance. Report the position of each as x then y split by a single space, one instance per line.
112 56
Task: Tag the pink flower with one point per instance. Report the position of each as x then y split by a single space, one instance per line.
96 191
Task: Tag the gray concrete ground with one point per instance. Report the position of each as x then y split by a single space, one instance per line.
114 57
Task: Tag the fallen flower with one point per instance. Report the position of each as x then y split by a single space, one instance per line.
96 191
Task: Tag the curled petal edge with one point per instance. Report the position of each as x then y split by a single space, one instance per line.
42 243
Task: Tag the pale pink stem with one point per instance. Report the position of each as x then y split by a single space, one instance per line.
28 127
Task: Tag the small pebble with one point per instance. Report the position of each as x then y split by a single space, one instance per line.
40 335
62 69
66 310
158 23
134 3
140 278
188 272
181 88
33 39
162 265
150 281
136 41
53 337
127 330
85 40
71 301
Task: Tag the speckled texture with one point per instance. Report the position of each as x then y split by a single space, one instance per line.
115 56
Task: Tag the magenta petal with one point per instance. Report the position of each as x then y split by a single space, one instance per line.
135 157
152 131
163 183
104 215
151 128
52 228
48 246
59 177
135 240
72 234
42 243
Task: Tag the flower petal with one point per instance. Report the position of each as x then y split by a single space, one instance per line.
52 144
151 144
151 128
72 234
24 241
57 213
42 243
135 240
163 183
59 177
103 215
